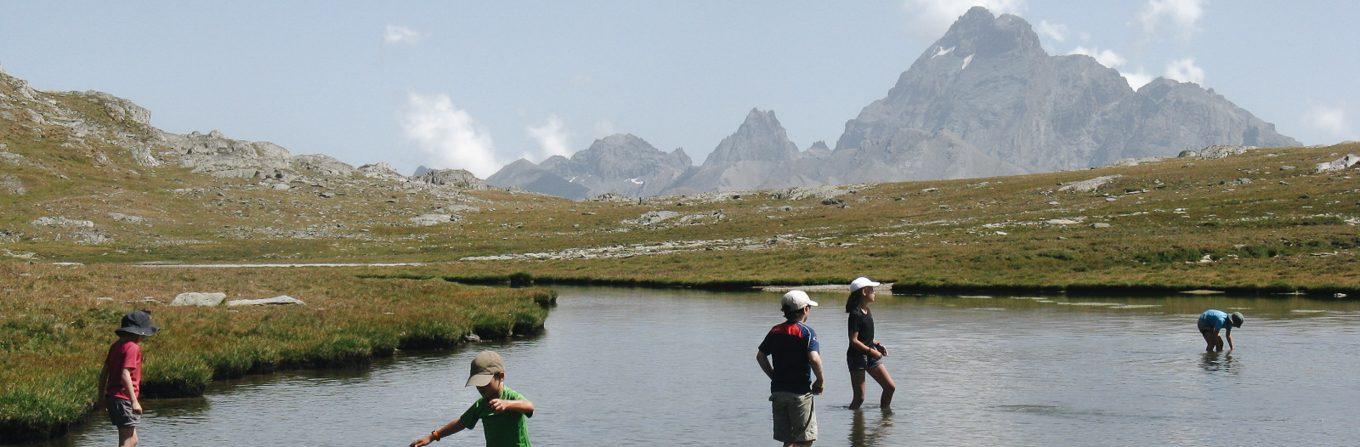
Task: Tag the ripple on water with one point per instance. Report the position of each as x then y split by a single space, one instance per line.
1308 311
1087 304
1135 306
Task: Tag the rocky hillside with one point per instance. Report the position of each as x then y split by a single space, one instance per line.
88 169
983 100
620 164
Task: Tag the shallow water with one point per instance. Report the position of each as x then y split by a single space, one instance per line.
671 367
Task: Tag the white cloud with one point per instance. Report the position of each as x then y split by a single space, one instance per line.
1137 79
1330 119
448 136
551 136
402 34
1185 70
603 128
932 17
1182 15
1055 31
1108 58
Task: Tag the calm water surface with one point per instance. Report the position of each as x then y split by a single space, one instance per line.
669 367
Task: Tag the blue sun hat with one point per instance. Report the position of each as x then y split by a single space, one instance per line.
138 322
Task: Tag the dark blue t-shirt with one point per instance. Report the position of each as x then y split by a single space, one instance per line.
789 343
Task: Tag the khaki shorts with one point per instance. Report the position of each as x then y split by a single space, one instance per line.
793 418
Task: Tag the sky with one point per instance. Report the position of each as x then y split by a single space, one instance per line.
477 85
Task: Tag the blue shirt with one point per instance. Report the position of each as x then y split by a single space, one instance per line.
789 343
1215 319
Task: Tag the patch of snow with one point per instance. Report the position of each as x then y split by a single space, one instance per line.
636 181
966 61
941 51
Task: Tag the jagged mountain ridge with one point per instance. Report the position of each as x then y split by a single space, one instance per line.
983 100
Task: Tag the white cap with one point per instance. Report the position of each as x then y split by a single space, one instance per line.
796 300
862 282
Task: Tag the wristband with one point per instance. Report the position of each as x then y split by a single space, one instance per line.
434 434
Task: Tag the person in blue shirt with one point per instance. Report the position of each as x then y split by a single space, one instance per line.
1212 321
796 360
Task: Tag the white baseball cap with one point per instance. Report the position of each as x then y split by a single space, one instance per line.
862 282
796 300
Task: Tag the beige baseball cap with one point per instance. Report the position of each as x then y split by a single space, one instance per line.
484 368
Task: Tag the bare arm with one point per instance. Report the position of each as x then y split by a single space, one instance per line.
1229 336
132 393
448 429
816 360
103 385
764 362
869 350
520 406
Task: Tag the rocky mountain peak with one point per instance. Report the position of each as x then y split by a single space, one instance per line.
759 138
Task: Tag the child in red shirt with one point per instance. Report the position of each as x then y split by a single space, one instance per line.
121 380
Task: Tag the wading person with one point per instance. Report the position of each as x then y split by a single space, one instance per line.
794 349
1212 321
120 382
501 410
865 353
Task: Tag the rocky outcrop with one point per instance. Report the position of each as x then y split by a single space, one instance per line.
212 153
1338 164
278 300
204 299
381 171
457 178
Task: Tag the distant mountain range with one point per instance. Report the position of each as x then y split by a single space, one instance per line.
983 100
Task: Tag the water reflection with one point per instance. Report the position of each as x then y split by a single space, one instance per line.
868 432
1219 361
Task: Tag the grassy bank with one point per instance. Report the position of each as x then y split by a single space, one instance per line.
58 322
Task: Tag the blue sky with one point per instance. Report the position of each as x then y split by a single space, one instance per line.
479 84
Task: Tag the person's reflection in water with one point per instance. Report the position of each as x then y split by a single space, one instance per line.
860 436
1218 361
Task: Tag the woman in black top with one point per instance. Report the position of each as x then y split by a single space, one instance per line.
865 352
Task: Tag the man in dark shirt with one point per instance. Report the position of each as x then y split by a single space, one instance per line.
794 347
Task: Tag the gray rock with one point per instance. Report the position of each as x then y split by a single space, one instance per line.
1089 185
11 185
206 299
457 178
278 300
1338 164
47 221
652 218
426 220
620 165
381 171
1221 151
128 218
1100 225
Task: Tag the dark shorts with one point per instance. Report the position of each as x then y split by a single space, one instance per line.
120 413
859 361
1206 327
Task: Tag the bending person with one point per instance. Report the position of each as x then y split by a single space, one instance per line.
865 352
1213 320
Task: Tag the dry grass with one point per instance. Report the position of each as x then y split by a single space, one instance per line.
57 329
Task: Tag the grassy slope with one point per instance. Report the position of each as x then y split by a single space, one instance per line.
57 329
1286 228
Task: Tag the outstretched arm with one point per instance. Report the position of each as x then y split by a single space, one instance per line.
1229 337
764 362
448 429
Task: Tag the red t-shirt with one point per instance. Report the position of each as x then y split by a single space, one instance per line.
124 354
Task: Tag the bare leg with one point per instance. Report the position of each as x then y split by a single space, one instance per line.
857 386
1208 340
127 436
880 374
1218 343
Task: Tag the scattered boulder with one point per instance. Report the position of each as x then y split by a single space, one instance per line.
10 184
278 300
652 218
426 220
1220 151
1338 164
128 218
472 338
1089 185
59 221
1064 221
1100 225
381 171
833 201
206 299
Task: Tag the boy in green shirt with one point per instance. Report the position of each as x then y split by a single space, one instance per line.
501 410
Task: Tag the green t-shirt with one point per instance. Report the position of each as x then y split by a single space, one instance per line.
502 429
